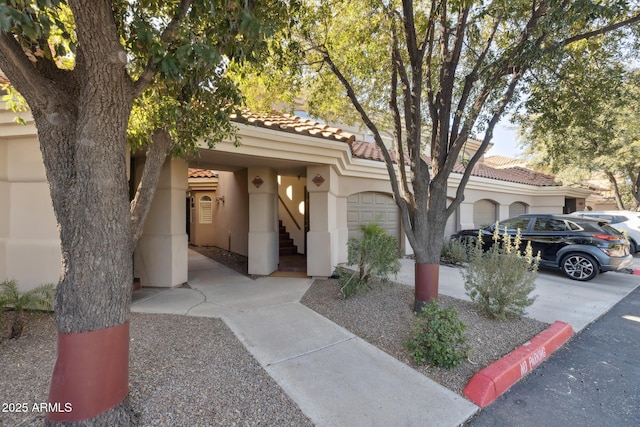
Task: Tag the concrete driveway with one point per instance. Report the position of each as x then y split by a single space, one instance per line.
559 298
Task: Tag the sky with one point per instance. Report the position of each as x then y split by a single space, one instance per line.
505 140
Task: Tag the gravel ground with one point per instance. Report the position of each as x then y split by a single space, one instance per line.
384 318
194 371
184 371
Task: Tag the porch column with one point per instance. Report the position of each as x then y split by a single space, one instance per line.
263 220
160 259
323 239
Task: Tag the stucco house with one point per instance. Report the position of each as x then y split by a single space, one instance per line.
314 181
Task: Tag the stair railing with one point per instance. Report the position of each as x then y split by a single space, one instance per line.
289 212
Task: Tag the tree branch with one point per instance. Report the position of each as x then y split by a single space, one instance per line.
601 31
167 37
400 201
21 71
141 203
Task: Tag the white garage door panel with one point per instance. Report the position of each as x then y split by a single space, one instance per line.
517 208
484 213
367 208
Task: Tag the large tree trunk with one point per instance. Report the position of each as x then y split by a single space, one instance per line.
83 147
93 295
429 225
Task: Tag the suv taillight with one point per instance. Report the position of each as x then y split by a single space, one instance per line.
607 237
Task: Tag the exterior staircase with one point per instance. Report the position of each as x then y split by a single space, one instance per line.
286 242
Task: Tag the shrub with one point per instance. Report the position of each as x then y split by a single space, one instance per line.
454 252
500 280
438 337
375 254
40 298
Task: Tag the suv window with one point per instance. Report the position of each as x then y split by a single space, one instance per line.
612 231
618 219
549 224
513 224
573 226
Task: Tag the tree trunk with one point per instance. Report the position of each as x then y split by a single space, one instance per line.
616 190
429 225
90 194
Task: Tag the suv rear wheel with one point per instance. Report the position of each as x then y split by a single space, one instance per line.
581 267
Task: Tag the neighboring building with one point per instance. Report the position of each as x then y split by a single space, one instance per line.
318 181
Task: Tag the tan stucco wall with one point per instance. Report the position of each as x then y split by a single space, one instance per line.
29 241
202 234
231 217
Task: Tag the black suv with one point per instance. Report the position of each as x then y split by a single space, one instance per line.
580 247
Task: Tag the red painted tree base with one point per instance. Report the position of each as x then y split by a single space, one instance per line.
91 374
427 280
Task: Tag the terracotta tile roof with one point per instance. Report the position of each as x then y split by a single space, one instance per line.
293 124
517 174
503 161
202 173
369 151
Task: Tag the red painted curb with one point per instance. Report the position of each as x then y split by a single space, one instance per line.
489 383
636 272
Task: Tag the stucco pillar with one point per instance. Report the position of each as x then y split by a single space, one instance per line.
342 230
263 220
161 257
503 212
466 216
323 239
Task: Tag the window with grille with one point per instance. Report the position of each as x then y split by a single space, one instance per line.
206 207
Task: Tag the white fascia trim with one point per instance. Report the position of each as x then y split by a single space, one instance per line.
499 186
271 143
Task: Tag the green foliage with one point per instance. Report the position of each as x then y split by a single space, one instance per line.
438 337
40 298
500 280
195 96
581 119
454 252
375 254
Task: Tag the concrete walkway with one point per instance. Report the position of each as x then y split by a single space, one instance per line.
558 297
336 378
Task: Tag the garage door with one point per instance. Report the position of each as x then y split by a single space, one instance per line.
370 207
484 213
517 208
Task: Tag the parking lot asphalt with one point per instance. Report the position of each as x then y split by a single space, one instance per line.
594 380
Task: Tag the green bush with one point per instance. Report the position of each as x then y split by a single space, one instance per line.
500 280
453 252
438 337
375 254
40 298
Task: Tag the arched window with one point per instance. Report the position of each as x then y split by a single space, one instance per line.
206 216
